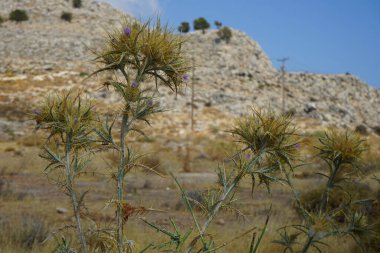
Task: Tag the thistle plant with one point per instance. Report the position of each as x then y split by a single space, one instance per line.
70 121
139 52
269 149
341 151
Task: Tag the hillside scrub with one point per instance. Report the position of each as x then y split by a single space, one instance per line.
225 34
18 15
184 27
77 3
67 16
201 24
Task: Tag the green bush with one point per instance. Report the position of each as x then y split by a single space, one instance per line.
201 24
67 16
225 34
1 20
77 3
376 130
184 27
361 129
18 15
218 24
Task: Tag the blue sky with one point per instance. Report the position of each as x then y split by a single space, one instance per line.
322 36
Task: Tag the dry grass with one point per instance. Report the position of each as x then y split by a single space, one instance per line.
27 187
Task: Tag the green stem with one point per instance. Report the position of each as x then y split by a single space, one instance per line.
225 195
125 75
190 209
308 244
74 201
120 180
216 208
329 186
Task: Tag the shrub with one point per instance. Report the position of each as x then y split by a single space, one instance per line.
225 34
1 20
77 3
67 16
18 15
361 129
218 24
201 24
376 130
184 27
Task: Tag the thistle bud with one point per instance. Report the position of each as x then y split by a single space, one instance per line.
135 84
127 31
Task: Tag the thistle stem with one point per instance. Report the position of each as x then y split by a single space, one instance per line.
215 210
120 181
225 195
308 244
74 201
329 186
229 190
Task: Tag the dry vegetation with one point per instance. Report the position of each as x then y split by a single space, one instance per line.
29 201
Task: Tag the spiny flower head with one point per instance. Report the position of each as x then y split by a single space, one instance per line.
268 132
132 93
144 51
319 222
65 113
343 146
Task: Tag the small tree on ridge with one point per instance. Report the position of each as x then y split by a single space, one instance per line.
201 24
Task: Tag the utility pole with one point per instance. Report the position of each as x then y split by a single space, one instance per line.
186 167
282 78
192 95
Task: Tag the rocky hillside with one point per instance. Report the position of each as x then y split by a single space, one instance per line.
239 74
230 77
47 42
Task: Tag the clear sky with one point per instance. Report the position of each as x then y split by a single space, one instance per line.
323 36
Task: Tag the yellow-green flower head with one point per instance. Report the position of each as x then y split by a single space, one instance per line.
320 222
148 50
132 92
65 113
344 146
266 131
